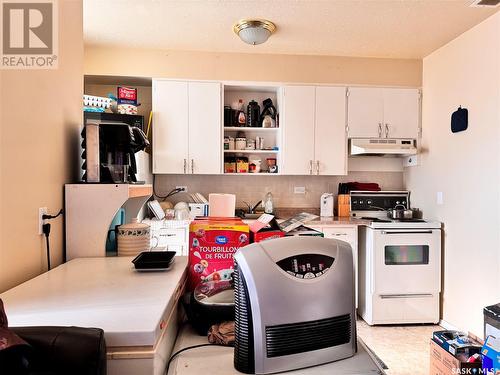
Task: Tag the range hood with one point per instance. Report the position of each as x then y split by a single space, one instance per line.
382 146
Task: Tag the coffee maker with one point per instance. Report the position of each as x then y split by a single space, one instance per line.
109 151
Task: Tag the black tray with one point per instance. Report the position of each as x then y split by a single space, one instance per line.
154 260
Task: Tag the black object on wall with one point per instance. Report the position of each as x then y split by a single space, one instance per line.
459 120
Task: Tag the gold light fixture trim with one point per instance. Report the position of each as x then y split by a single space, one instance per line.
246 23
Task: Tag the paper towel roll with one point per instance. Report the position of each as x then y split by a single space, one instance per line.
222 205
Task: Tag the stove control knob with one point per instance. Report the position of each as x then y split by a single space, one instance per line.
369 202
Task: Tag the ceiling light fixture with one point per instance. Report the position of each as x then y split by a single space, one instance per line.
254 31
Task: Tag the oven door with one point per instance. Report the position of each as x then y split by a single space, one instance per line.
407 262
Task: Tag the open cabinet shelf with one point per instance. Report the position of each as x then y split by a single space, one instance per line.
232 93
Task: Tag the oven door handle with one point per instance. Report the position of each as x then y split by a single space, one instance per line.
407 232
387 296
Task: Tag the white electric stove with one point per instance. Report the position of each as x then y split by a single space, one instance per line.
399 262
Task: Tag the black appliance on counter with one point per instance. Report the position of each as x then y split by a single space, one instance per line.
108 151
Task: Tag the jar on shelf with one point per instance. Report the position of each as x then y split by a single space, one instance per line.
229 164
240 143
271 165
241 164
250 144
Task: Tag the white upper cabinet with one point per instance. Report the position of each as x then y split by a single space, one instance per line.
365 112
205 128
383 112
330 141
401 113
298 130
170 126
186 127
314 137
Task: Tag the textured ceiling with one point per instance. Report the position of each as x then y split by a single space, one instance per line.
371 28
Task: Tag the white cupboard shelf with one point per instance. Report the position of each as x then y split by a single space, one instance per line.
250 129
251 151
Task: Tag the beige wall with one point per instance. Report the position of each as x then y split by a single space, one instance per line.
465 167
258 67
40 111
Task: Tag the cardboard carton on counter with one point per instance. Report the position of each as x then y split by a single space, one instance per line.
449 357
212 244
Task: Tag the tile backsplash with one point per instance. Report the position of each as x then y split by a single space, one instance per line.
251 189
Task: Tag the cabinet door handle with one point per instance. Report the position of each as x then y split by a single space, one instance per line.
387 130
185 165
380 130
192 166
310 167
317 167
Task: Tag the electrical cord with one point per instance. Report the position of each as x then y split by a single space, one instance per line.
170 193
46 232
183 350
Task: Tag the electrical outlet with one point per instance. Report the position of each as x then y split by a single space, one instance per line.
41 211
299 189
183 189
439 198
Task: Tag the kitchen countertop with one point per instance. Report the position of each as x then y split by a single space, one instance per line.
337 221
98 292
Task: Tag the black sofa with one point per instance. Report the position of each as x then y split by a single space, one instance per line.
64 350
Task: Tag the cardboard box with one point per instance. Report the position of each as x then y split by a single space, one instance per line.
491 356
265 228
212 244
444 363
457 343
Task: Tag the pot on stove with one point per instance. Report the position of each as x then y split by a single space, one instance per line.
399 212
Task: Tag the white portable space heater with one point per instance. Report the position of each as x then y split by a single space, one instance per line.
294 302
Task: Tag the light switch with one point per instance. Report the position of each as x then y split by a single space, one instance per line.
439 197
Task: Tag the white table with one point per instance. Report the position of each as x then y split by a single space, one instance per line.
136 310
219 360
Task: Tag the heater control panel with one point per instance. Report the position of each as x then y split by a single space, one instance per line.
306 266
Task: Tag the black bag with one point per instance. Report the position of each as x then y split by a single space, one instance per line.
459 120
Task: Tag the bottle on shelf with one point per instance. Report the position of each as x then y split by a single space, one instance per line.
253 114
242 120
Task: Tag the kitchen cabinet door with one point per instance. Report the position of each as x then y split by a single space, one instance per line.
401 113
365 112
204 128
298 130
330 142
170 126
